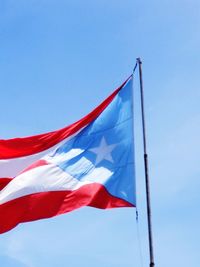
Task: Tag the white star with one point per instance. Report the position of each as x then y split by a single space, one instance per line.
103 151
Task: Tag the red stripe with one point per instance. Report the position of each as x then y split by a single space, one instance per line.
49 204
4 182
20 147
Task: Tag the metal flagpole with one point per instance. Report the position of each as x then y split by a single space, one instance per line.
146 168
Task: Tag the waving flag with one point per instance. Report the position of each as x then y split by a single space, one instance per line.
89 163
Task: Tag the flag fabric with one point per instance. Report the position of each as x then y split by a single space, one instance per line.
89 163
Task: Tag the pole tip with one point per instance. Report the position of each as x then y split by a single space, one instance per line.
139 61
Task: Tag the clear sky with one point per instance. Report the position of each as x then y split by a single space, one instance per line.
61 58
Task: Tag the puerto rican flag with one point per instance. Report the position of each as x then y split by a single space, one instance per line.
89 163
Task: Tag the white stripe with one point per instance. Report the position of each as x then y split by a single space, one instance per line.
41 179
10 168
49 178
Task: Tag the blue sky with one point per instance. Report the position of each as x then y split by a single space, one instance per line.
58 60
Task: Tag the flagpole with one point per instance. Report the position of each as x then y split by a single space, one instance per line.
148 202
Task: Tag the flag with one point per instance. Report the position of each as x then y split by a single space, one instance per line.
89 163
